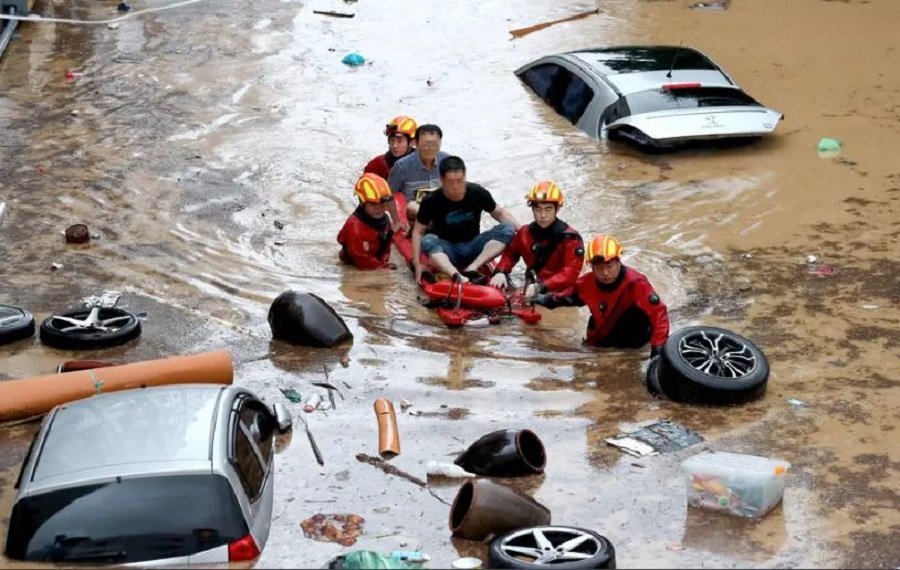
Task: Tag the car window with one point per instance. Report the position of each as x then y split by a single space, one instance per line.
687 98
130 520
254 432
560 88
261 425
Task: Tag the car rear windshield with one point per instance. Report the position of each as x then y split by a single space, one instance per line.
681 98
132 520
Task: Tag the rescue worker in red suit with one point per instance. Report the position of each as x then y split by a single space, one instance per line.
366 236
625 310
548 246
400 132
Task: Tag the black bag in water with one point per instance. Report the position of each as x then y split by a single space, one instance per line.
304 318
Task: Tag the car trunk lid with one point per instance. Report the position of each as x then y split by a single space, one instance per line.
713 122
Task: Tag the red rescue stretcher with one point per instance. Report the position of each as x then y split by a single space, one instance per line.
467 303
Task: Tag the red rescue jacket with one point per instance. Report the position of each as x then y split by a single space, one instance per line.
609 303
556 254
365 241
379 165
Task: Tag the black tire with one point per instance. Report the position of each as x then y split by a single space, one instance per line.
598 551
653 385
15 324
710 365
60 334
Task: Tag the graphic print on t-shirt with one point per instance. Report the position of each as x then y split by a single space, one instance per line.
459 217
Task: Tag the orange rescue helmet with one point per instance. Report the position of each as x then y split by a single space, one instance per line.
401 124
602 248
546 192
373 189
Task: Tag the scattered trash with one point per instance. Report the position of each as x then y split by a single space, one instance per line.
742 485
334 14
113 25
449 413
312 402
324 528
822 270
388 436
440 469
870 307
747 255
312 442
405 405
505 453
467 563
660 437
518 33
366 560
78 233
279 224
123 7
796 403
829 147
2 210
482 508
55 266
306 319
675 547
810 259
292 395
711 5
70 75
410 556
74 112
353 60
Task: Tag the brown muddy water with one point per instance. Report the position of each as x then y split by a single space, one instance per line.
186 134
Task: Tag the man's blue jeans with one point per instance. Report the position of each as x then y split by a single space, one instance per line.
463 253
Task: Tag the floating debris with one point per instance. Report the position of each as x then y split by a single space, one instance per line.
660 437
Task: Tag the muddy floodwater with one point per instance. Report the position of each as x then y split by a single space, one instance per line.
212 149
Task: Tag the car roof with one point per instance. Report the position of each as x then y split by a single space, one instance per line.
636 68
129 432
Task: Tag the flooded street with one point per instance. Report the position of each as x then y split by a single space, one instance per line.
187 134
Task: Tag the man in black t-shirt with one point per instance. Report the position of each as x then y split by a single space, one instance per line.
451 216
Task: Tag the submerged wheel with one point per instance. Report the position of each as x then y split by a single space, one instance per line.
709 365
15 324
71 329
560 547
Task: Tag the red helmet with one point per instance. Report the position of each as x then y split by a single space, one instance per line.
401 124
545 192
602 248
373 189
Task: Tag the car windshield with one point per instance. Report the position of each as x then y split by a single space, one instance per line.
684 98
132 520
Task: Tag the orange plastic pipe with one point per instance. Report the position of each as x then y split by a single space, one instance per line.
388 436
27 397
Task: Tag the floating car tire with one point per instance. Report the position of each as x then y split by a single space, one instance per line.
15 324
653 385
113 328
709 365
560 547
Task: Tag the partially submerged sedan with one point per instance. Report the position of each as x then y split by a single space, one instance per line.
173 475
656 97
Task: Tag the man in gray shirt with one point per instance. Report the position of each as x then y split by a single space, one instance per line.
416 174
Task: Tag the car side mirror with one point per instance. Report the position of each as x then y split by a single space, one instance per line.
282 418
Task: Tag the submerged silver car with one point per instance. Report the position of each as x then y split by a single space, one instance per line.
179 474
656 97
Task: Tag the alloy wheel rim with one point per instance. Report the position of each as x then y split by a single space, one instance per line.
717 354
563 545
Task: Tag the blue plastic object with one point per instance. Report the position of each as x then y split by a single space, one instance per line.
353 59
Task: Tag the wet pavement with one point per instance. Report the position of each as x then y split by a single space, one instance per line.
186 134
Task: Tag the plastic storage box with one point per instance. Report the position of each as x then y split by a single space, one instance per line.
742 485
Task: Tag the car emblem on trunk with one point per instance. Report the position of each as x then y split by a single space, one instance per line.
712 123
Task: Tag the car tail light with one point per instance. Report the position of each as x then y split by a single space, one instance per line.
242 549
676 86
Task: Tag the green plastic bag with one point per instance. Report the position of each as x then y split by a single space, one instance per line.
365 559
